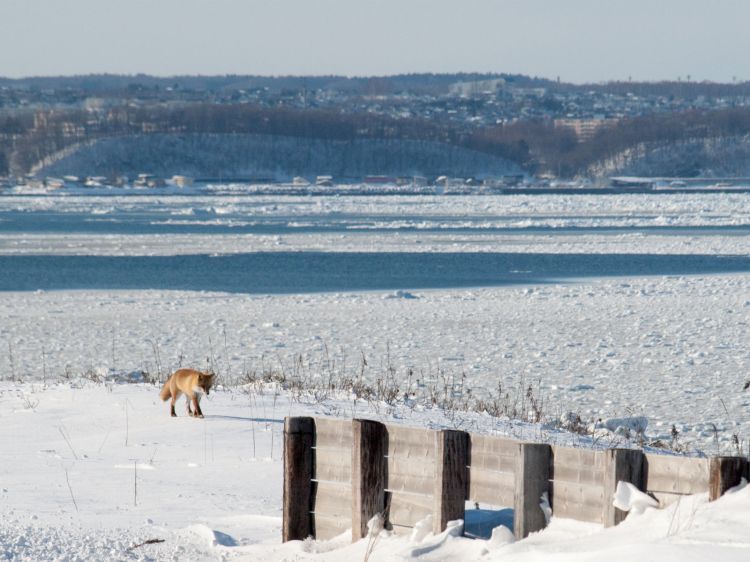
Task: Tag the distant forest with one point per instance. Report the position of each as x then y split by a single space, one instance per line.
418 82
109 84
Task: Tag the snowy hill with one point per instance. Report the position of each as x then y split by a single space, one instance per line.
272 156
701 157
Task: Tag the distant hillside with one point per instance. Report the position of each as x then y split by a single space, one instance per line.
200 138
273 156
248 140
691 143
698 157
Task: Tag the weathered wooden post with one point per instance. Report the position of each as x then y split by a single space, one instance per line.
451 477
299 434
724 473
369 446
620 465
533 464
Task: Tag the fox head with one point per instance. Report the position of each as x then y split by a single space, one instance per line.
205 381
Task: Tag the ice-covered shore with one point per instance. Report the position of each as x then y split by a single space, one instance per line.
672 349
177 224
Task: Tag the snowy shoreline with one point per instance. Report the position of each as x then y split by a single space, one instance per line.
606 348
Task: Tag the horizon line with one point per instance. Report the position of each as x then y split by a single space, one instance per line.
555 80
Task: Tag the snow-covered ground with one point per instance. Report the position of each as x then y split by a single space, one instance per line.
671 349
91 470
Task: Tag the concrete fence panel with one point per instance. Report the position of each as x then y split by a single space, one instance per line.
411 466
668 478
492 470
578 484
332 477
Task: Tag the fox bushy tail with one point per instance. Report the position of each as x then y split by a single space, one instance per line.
165 393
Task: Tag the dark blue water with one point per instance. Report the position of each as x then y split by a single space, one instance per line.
303 272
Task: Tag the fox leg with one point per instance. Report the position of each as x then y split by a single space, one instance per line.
197 406
171 406
187 403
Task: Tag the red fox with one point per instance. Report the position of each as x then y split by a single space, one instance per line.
192 384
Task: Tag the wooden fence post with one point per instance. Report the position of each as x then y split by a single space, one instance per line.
533 463
299 434
621 465
369 446
724 473
451 477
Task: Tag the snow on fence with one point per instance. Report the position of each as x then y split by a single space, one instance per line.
339 474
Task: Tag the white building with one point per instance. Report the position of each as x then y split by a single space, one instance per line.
476 87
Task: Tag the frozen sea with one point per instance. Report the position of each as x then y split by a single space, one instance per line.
612 305
275 244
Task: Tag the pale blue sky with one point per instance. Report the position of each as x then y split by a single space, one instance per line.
579 40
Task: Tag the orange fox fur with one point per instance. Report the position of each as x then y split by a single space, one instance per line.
192 384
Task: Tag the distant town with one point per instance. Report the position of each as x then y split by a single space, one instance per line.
447 131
